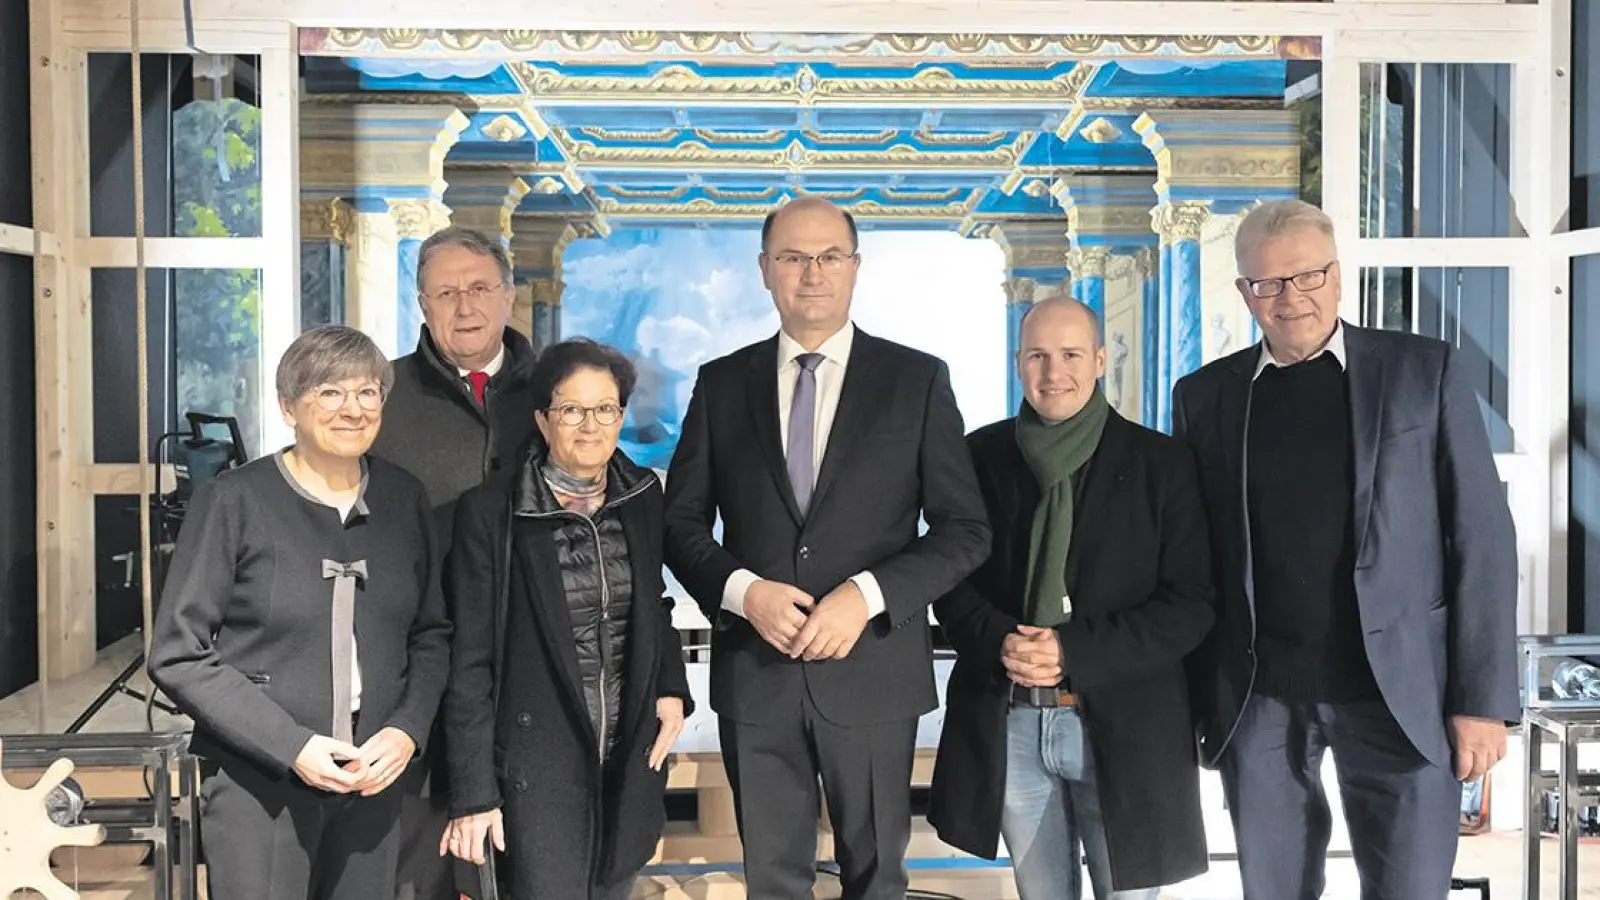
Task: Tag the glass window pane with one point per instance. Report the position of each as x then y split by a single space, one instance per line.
1583 557
1468 308
1436 150
1585 116
201 142
219 347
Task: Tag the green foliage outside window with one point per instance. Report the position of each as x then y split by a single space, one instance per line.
217 193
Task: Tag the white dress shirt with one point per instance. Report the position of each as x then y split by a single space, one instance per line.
830 382
493 366
1334 348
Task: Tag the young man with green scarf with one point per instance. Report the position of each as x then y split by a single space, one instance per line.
1067 725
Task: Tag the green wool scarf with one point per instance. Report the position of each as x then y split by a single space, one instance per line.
1053 452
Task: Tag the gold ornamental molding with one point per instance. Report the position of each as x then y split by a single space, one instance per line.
703 208
649 193
653 135
796 156
766 193
730 136
1145 263
1088 262
1181 220
330 220
647 45
805 87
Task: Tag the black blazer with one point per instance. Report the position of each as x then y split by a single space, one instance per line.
243 636
895 451
1139 575
1436 563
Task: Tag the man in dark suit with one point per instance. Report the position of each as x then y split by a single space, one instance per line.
819 448
461 408
1067 726
1366 574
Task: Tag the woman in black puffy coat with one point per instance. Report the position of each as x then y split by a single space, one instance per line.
567 685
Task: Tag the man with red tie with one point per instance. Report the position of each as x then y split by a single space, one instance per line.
461 409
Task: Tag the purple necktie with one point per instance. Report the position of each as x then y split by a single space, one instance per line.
802 429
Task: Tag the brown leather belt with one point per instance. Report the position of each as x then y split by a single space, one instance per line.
1043 698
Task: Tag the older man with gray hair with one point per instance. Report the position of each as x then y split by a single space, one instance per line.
462 409
1366 576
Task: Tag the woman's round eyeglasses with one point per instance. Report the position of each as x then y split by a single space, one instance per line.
333 398
572 415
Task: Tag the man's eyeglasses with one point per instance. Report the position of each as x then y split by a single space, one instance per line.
1265 288
572 415
333 398
831 261
475 293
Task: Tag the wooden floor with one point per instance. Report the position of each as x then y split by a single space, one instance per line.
695 847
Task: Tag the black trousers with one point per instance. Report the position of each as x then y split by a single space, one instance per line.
1403 812
270 837
424 815
866 777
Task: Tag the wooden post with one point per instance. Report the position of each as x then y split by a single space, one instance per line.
62 369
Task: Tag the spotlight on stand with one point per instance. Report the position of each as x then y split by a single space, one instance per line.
212 445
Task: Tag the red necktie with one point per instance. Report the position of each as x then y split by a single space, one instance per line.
480 382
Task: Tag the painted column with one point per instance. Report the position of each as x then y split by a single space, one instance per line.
414 221
1088 267
1036 269
484 201
385 161
1108 218
325 233
1210 166
1146 262
538 244
1163 336
1183 222
1019 299
372 276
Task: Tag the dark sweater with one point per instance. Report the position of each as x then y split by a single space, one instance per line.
243 634
1300 474
434 429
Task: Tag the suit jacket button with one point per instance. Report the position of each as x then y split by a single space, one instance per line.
521 785
524 719
494 464
805 552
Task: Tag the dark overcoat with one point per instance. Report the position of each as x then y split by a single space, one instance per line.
1139 575
519 734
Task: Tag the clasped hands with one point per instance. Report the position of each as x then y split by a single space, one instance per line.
801 627
340 768
1032 656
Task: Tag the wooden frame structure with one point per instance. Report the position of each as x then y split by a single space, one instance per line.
1533 37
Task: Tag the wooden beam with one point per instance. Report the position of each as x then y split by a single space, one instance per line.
222 24
16 239
280 225
62 370
120 479
175 253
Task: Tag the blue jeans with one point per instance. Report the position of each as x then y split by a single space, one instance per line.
1052 808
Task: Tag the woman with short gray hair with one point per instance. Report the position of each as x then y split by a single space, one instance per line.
303 629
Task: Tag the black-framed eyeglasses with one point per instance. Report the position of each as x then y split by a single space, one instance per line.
831 261
333 399
475 293
572 415
1310 280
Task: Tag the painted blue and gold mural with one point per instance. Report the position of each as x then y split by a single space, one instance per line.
1109 168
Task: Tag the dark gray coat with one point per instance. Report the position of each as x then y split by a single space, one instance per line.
1436 551
434 429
